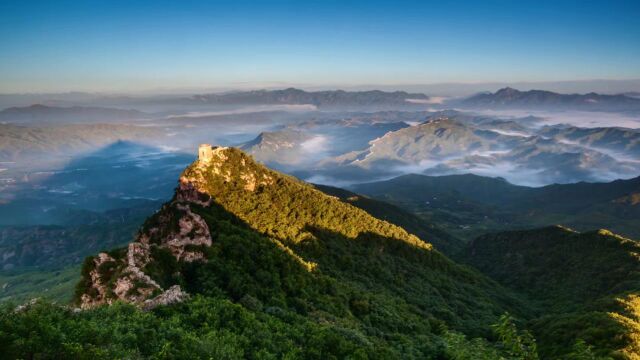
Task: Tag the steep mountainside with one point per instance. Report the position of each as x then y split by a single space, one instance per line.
239 230
547 100
253 264
443 241
586 284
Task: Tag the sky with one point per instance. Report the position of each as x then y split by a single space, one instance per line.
56 46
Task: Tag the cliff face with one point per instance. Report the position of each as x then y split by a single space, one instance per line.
146 272
137 274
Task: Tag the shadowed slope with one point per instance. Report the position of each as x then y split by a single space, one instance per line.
585 284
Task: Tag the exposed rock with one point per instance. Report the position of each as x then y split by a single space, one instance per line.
187 192
193 230
171 296
97 288
26 306
175 228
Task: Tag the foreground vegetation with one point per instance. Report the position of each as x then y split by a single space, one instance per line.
216 328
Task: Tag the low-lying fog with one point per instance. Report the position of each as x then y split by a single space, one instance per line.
585 119
50 171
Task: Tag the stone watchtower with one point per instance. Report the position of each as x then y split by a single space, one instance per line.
205 152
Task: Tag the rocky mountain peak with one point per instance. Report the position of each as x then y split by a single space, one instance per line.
230 166
137 274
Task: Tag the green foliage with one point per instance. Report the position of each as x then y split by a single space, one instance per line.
444 242
582 351
458 347
285 252
204 328
56 284
322 253
582 284
470 205
517 344
163 267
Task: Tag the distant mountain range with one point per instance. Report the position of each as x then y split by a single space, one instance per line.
623 141
304 144
320 99
42 114
462 144
434 139
633 94
522 149
509 98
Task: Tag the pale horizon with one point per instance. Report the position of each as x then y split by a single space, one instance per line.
605 86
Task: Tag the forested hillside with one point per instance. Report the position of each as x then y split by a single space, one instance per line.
583 285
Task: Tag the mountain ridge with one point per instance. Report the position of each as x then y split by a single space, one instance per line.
315 240
40 114
320 99
511 98
473 204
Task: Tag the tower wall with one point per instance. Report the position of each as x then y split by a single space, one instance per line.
205 152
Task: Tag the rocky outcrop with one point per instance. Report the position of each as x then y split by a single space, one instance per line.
97 292
228 165
171 296
125 275
141 273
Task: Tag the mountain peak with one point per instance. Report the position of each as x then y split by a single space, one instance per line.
229 165
510 97
507 91
146 272
441 120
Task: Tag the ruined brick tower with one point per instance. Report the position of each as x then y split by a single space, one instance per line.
205 152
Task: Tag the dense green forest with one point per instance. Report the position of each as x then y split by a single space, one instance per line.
470 205
294 273
442 240
584 285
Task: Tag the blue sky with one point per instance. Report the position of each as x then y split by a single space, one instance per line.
136 45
